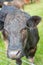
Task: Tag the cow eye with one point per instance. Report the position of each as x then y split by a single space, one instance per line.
5 34
23 34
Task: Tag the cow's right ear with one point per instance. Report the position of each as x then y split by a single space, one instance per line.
1 25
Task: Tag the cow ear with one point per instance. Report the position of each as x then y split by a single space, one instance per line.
1 25
34 20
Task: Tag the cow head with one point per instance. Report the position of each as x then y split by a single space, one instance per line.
17 39
17 35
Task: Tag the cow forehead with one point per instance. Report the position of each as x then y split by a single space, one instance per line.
15 21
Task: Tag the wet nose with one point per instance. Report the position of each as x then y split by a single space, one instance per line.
14 54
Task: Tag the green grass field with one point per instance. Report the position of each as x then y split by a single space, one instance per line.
33 9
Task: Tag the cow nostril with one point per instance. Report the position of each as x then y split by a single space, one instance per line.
14 54
18 52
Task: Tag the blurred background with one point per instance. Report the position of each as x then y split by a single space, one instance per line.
35 8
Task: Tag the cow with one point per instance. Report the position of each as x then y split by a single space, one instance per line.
20 30
18 3
33 1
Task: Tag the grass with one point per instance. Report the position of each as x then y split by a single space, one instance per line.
32 9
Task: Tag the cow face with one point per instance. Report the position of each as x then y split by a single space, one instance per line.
17 35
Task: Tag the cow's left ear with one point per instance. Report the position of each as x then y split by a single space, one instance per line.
35 20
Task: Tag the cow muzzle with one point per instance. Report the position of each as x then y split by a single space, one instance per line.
14 54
